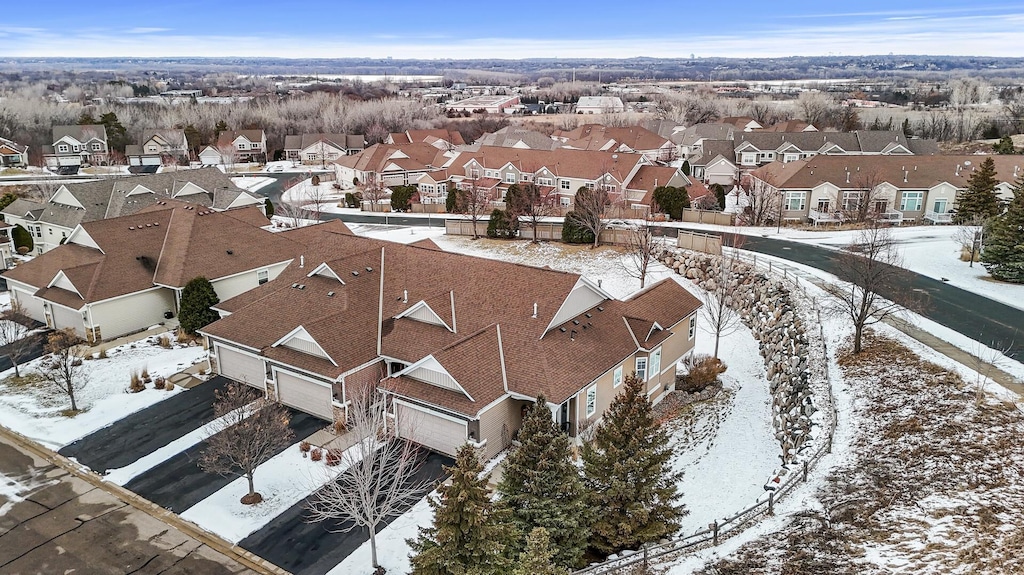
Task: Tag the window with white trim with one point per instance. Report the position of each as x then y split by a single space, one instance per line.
693 326
617 377
655 368
591 400
565 201
62 148
474 173
796 201
911 201
241 145
491 174
524 177
939 207
510 178
641 368
262 276
564 184
545 182
96 146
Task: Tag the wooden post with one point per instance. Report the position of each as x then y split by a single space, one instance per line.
805 471
828 446
771 503
714 532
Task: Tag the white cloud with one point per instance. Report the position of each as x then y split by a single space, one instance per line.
145 30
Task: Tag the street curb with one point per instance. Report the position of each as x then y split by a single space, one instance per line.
213 541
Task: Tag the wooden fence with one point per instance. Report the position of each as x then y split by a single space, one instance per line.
706 217
707 243
546 231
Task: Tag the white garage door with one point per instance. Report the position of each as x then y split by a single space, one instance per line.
429 429
241 367
305 395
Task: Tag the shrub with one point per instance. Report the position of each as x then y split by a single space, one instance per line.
502 225
316 454
333 457
136 384
702 371
76 362
22 239
168 385
573 232
339 427
164 342
196 299
145 375
315 180
304 447
352 200
102 354
159 383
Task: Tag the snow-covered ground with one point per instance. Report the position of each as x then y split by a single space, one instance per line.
36 411
305 192
283 481
252 183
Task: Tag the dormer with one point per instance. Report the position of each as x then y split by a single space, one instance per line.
324 270
398 155
189 189
583 296
139 190
895 149
81 237
300 340
422 312
64 197
429 370
62 281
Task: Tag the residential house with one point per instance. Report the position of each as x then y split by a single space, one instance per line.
761 147
692 139
491 104
420 324
74 146
716 164
641 186
389 164
121 275
742 123
322 148
235 146
909 188
440 138
518 137
13 154
599 105
159 147
51 222
626 139
791 126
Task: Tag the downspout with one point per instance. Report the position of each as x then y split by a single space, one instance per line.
380 304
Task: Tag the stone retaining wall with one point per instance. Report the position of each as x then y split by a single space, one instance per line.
766 307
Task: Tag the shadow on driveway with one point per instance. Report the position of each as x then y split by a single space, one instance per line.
127 440
315 548
179 483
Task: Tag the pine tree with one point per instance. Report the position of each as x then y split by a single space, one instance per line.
979 198
1003 251
628 475
538 558
469 534
542 487
197 298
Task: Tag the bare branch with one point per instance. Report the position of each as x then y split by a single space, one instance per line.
63 370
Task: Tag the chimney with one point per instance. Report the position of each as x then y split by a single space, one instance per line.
534 316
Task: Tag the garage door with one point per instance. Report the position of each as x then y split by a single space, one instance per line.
429 429
305 395
241 367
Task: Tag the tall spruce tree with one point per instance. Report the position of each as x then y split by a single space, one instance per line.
542 487
197 297
979 199
538 558
627 472
470 535
1003 250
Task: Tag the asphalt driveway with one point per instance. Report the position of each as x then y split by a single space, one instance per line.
143 432
179 483
315 548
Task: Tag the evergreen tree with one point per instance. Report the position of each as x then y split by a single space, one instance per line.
469 535
221 126
197 298
672 200
574 232
719 190
502 225
451 203
87 119
538 558
628 475
1003 251
543 488
979 199
686 167
117 135
268 207
1004 146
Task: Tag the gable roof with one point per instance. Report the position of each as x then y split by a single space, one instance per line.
562 162
340 141
81 133
920 172
598 137
228 136
416 156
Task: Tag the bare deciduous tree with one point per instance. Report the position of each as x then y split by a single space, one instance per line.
763 200
475 202
64 370
379 481
248 430
642 248
969 235
817 108
722 318
292 212
865 199
524 201
374 192
867 268
588 210
14 335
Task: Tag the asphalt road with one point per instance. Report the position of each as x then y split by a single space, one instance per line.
28 350
303 548
179 483
143 432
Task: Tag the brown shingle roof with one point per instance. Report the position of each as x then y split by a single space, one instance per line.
920 172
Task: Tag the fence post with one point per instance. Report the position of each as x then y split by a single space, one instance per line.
805 471
714 532
771 503
828 446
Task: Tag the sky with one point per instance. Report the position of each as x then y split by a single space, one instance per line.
526 29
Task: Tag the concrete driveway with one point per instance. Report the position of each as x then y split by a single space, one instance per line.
143 432
179 483
315 548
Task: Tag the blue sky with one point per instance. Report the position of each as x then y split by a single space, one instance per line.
424 29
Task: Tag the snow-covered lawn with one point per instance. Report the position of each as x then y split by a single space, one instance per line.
37 411
392 549
252 183
285 480
305 192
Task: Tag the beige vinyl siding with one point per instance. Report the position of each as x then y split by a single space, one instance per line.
304 394
240 366
131 313
498 423
66 317
23 294
229 287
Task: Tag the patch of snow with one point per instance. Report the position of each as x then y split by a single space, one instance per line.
392 548
252 183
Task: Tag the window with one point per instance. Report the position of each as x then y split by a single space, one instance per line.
510 178
693 326
881 206
940 206
911 201
617 377
748 159
311 157
263 276
96 146
641 368
39 231
851 200
565 201
241 146
790 158
544 182
823 205
62 148
591 400
474 173
590 185
77 148
796 201
524 177
254 146
656 363
564 184
491 174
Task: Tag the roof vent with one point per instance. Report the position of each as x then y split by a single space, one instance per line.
355 273
131 227
561 329
302 286
295 285
589 315
599 308
575 322
572 335
156 224
231 253
330 294
534 316
368 269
